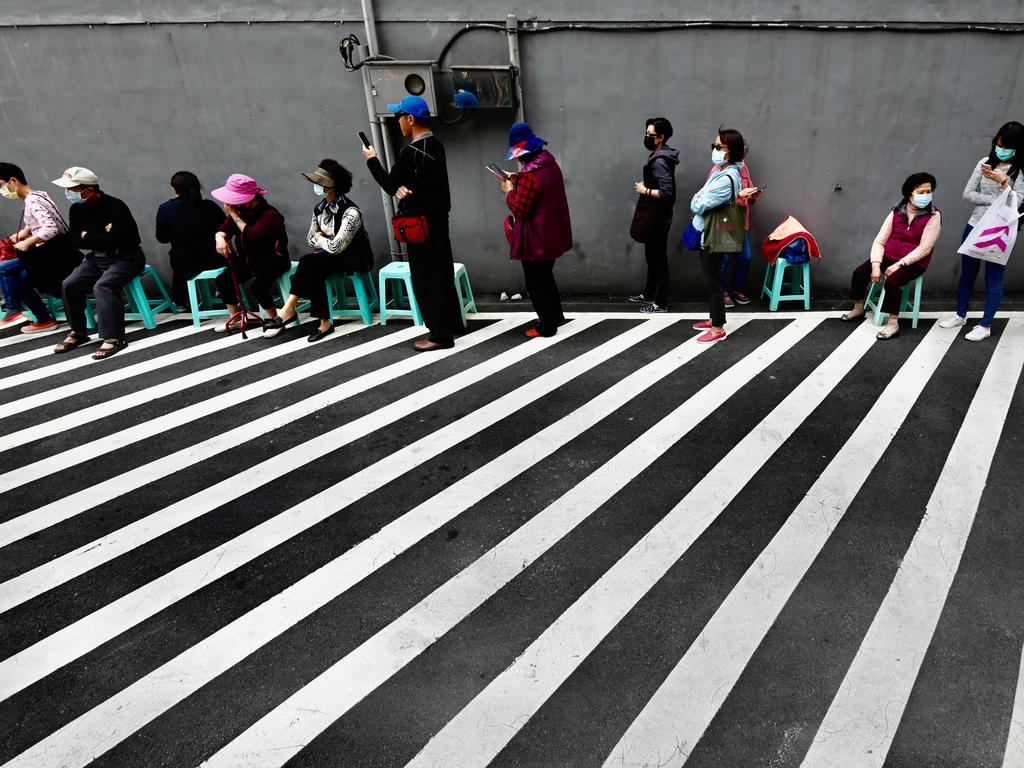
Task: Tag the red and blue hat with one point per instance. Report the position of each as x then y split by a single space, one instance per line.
523 141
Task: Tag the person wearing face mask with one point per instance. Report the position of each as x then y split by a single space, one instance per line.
542 230
45 253
722 187
659 184
900 252
104 227
188 223
1000 169
254 241
340 246
419 179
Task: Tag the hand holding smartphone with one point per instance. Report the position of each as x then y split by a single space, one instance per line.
366 141
498 172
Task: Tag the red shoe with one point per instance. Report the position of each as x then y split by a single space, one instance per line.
533 333
703 325
11 317
709 337
38 327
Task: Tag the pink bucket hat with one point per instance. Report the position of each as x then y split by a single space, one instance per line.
238 189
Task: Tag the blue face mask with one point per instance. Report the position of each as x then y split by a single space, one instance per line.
1005 154
921 200
74 197
318 190
718 156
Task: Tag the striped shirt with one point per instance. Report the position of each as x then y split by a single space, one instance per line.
42 217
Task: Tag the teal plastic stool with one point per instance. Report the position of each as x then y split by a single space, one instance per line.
466 301
199 295
140 306
909 308
800 283
398 272
284 285
341 303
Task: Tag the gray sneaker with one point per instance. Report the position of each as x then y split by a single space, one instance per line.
953 321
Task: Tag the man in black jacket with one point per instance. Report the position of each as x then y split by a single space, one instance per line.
102 226
419 179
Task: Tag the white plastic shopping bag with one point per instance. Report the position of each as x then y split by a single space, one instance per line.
993 237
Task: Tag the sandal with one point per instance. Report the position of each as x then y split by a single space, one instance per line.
108 348
850 316
74 339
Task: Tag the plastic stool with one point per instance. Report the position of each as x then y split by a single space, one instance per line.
466 301
284 285
908 308
365 298
800 283
397 271
203 292
141 307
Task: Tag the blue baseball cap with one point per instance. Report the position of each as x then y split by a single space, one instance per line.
411 105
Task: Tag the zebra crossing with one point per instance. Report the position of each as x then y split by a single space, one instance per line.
613 547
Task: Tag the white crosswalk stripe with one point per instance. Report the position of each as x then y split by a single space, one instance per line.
449 492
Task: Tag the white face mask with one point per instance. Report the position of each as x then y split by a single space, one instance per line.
7 193
318 190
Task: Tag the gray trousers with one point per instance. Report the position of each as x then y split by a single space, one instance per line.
104 276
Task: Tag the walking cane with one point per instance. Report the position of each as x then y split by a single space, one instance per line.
244 317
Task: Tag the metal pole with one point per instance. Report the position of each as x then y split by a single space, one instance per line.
512 25
381 139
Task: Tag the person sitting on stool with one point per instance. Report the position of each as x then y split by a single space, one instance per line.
103 226
260 244
340 247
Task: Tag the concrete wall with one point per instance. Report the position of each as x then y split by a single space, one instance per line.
136 101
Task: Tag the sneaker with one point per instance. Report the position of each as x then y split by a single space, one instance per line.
38 327
703 325
709 336
12 317
728 301
639 299
652 307
978 333
953 321
740 298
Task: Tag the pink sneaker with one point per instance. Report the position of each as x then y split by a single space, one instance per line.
11 317
38 327
708 337
703 325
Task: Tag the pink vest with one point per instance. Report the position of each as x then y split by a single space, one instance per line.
906 236
545 234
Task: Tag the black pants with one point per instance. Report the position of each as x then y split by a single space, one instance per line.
711 269
656 253
433 281
893 284
310 278
185 266
104 276
540 284
257 280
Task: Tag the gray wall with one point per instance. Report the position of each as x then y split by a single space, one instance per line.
136 101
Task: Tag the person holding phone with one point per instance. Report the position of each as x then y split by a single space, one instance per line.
658 186
901 251
542 230
419 179
732 290
999 169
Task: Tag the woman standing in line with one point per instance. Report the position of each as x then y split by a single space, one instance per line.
659 183
993 173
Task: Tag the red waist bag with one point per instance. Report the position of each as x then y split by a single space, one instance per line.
411 229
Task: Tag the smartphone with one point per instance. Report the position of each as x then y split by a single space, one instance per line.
762 189
986 166
497 171
362 138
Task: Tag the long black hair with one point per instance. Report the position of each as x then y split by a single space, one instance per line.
341 175
187 185
1011 136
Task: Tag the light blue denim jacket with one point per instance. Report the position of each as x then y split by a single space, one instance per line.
718 190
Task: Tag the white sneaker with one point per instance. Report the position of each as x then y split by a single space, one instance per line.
221 328
953 321
978 333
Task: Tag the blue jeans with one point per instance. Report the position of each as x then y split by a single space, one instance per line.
17 291
739 275
969 269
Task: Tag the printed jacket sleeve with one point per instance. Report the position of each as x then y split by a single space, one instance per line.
525 195
351 220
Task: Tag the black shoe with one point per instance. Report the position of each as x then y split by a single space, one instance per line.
275 325
318 334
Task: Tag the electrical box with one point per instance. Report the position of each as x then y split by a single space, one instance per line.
483 87
392 81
